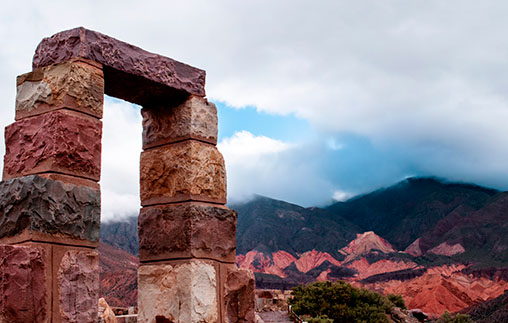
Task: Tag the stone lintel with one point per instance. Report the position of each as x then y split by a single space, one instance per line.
130 72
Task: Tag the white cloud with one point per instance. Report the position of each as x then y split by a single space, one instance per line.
121 148
117 206
243 147
427 75
265 166
251 162
341 196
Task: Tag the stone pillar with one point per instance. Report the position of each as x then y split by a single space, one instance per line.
50 196
187 241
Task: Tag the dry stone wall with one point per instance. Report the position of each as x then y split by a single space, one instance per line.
50 195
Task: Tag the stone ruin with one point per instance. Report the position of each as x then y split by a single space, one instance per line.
50 195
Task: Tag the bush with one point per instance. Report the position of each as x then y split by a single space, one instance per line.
397 300
459 318
342 302
319 319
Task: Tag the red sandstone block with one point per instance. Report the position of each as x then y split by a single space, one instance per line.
187 230
196 118
61 142
24 286
237 294
75 284
186 171
78 181
74 85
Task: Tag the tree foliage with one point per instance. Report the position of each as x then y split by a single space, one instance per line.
397 300
342 302
458 318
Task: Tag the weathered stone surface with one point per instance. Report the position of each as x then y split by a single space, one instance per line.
78 286
33 204
106 314
23 285
239 294
188 170
187 230
71 180
61 141
74 85
178 292
196 118
131 73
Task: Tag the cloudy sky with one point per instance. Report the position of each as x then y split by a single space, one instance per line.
318 100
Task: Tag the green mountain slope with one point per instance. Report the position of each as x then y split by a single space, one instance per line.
405 211
270 225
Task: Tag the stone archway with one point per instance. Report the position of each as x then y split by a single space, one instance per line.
50 195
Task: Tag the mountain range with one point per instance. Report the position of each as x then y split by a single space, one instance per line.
434 242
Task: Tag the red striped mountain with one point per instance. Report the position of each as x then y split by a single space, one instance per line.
418 238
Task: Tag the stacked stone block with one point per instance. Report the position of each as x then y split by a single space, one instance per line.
187 236
50 197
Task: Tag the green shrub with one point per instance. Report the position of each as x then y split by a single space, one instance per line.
342 302
458 318
397 300
319 319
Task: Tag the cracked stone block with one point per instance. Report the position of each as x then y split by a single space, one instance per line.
131 73
73 85
24 282
238 294
196 118
37 208
184 291
187 230
77 285
186 171
61 141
